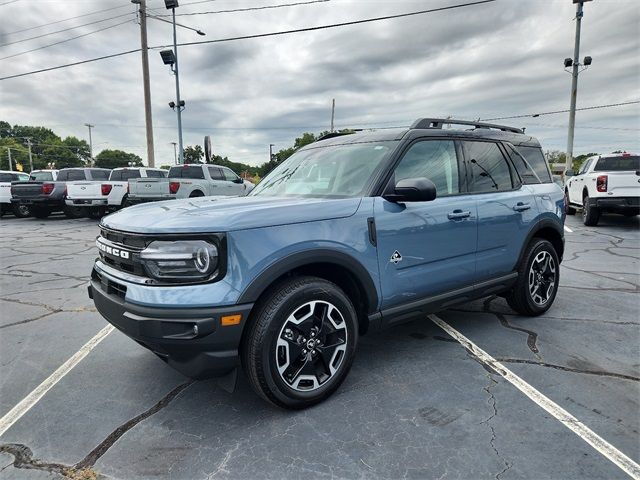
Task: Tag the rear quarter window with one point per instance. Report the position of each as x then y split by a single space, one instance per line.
156 173
630 163
6 177
99 174
70 175
535 158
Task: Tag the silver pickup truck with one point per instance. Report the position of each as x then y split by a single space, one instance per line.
187 181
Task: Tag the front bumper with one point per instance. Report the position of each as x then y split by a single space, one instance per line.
86 202
191 340
616 204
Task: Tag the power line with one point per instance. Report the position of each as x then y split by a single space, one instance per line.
7 3
248 9
67 19
65 40
269 34
64 30
595 107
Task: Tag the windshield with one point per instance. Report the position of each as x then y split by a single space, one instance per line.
618 164
334 171
41 176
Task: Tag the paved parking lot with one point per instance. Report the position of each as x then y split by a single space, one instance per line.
417 403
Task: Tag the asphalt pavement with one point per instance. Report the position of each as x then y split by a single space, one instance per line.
417 403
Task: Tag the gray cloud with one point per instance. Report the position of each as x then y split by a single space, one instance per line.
491 60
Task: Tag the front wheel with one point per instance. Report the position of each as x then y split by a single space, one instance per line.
590 214
538 279
301 342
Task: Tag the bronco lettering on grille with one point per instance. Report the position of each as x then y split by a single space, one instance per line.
116 252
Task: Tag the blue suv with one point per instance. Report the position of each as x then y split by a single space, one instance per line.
353 233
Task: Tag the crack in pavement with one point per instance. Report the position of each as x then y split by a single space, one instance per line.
23 455
494 413
532 337
600 373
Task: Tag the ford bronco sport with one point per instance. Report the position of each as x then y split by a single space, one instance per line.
351 234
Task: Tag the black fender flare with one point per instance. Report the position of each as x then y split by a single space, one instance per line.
542 224
274 271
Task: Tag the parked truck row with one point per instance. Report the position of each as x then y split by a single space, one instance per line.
93 192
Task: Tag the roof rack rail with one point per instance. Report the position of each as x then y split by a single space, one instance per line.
439 122
338 134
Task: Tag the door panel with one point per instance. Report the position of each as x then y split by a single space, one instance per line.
437 253
426 248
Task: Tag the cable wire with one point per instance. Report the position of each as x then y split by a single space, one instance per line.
65 40
595 107
64 30
248 9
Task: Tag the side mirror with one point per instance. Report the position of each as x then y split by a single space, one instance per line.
412 190
238 180
569 173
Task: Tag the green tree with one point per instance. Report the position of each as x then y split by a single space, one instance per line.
193 154
579 160
19 154
117 159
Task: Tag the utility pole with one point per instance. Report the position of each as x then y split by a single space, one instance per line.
575 64
9 153
271 145
145 79
178 102
30 157
333 112
90 141
175 154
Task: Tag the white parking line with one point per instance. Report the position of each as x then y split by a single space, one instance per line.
630 467
567 229
34 397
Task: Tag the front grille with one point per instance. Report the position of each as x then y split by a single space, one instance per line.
133 244
109 286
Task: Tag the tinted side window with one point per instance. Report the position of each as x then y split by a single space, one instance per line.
99 174
489 169
618 164
585 166
6 177
155 174
63 175
75 175
215 173
41 176
536 159
435 160
229 175
127 174
192 172
115 175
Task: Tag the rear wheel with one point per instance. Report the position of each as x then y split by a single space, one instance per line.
538 279
74 212
40 212
568 208
21 211
196 193
96 213
301 343
590 215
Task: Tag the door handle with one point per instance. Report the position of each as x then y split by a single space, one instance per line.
521 207
458 215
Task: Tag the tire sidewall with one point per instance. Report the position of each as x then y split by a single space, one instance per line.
313 291
538 247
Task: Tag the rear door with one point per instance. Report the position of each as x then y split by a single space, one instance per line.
427 248
506 208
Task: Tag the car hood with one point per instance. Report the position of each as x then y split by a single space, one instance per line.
224 214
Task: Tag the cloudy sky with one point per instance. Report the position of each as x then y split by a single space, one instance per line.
492 60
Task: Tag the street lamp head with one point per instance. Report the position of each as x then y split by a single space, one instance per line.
172 104
587 61
168 58
568 62
200 32
170 4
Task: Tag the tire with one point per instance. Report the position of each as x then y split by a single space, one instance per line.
283 327
196 193
21 211
590 215
40 212
537 284
125 202
569 210
74 212
96 213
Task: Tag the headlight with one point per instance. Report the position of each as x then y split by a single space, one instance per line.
187 260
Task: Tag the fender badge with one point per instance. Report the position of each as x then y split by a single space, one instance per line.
396 257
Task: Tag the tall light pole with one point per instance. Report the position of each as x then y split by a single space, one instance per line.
89 126
9 153
575 64
333 112
175 154
271 145
145 80
30 156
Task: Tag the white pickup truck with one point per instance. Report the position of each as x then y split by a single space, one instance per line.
187 181
604 184
6 177
99 196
